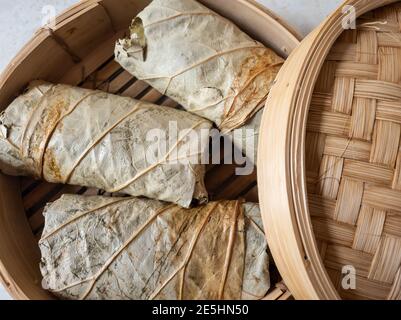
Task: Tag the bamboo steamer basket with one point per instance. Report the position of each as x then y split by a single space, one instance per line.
79 51
333 158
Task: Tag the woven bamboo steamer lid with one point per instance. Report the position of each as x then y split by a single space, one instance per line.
333 158
78 50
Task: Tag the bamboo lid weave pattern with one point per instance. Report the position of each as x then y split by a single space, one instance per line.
353 157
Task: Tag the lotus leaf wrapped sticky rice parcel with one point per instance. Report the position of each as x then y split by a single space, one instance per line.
204 62
131 248
64 134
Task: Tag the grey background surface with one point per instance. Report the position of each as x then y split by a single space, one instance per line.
19 19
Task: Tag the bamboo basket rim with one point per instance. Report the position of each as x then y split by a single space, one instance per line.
14 286
269 14
283 197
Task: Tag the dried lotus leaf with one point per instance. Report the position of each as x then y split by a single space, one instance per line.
203 61
91 138
131 248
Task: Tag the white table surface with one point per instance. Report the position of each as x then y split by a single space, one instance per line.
20 18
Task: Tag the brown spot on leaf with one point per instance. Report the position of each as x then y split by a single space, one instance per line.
52 166
251 87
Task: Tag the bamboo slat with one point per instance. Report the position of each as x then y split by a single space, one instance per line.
392 225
